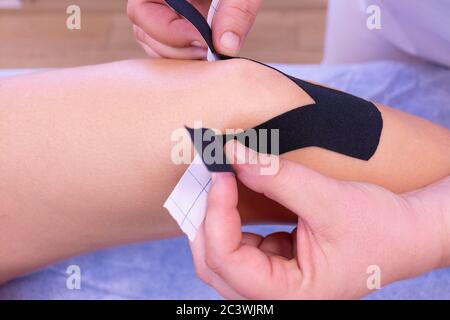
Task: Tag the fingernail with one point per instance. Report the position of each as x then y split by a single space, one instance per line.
230 41
240 154
216 176
244 155
198 44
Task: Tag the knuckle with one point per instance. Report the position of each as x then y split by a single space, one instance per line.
279 179
131 11
202 273
137 33
140 35
244 10
214 263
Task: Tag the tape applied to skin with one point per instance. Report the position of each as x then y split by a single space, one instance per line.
337 121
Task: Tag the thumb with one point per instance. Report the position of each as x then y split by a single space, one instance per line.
305 192
231 24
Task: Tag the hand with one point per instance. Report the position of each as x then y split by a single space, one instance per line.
343 228
163 33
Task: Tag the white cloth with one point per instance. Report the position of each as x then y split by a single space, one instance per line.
411 30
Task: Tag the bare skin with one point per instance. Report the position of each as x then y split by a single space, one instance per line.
85 152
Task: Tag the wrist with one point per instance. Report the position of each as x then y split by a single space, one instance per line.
431 208
441 193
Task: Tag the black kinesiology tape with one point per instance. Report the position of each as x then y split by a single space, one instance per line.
337 121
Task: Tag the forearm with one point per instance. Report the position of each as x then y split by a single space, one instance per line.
85 159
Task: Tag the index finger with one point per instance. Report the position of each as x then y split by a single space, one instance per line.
163 24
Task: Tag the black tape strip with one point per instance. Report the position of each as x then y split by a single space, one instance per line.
191 14
337 121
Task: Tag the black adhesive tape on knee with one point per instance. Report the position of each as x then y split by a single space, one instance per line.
337 121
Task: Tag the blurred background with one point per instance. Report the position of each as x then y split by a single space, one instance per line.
33 33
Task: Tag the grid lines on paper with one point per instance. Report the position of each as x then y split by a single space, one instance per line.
187 202
186 214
